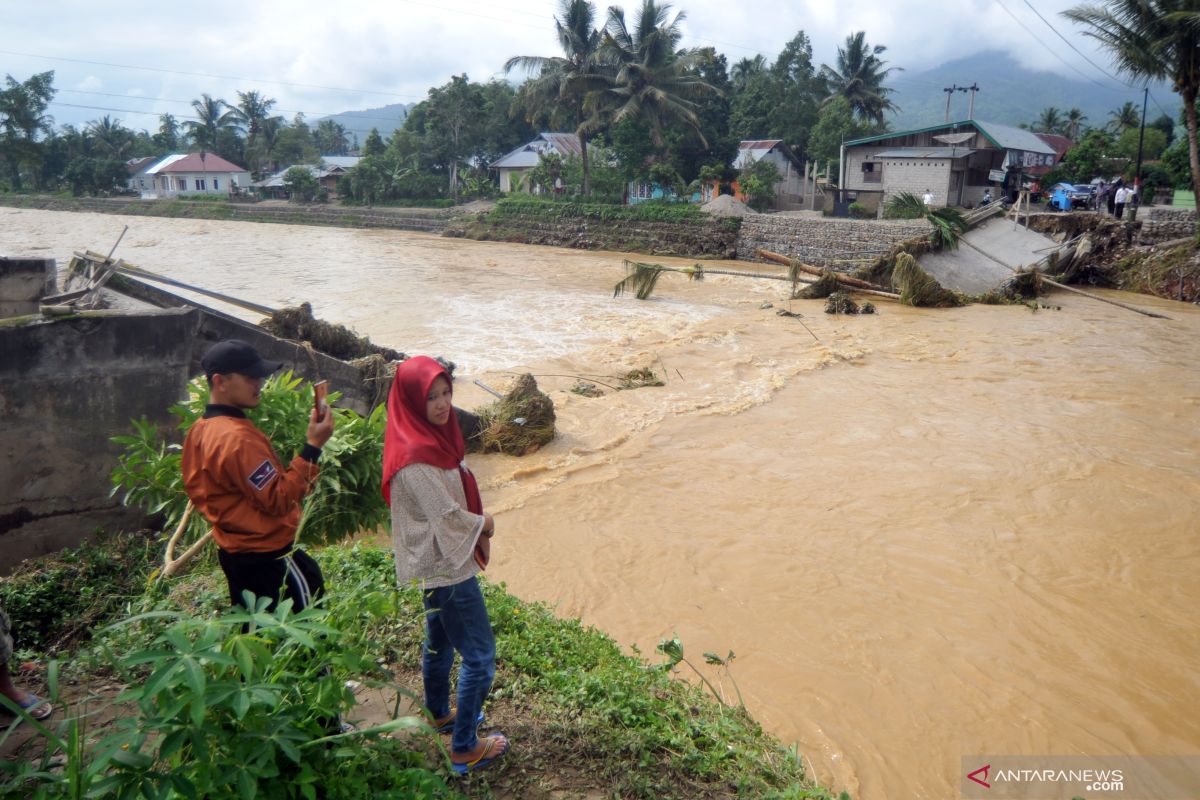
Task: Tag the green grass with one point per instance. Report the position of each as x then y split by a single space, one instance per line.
582 715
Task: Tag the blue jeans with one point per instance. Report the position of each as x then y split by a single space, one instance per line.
457 619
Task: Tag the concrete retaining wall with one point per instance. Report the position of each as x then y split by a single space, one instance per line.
67 385
1162 224
823 242
23 282
348 217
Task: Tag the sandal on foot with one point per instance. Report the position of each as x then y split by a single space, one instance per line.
36 707
446 723
486 757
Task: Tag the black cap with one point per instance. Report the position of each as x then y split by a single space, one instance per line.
235 356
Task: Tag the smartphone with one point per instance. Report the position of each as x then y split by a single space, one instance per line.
320 391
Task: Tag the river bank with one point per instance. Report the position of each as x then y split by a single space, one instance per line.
583 719
925 533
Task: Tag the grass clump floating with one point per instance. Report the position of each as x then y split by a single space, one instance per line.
518 423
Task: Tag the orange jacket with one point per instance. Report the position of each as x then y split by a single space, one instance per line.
232 475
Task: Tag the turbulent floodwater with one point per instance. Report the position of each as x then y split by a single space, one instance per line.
928 534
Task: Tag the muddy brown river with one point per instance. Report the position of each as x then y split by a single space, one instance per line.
930 533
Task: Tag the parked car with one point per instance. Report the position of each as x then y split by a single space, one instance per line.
1066 196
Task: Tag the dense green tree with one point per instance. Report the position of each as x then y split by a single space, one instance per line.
713 144
331 138
166 140
93 176
499 131
758 181
859 78
23 119
744 70
252 112
1165 124
835 126
454 118
1175 161
1153 40
558 86
1153 143
1091 157
294 144
374 145
301 183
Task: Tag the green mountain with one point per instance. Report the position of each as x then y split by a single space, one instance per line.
1012 94
359 123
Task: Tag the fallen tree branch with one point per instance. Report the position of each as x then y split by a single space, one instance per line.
797 264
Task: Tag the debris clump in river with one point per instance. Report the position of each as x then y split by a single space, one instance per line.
517 424
299 325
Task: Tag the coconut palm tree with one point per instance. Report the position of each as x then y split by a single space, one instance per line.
649 80
1153 40
251 112
556 81
111 138
212 117
1074 123
745 69
1049 121
859 78
1123 118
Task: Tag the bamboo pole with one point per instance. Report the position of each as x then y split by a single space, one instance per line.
172 565
1072 289
845 280
763 275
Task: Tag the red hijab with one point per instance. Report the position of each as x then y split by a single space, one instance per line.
411 439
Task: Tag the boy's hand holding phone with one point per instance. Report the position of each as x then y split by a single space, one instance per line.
320 423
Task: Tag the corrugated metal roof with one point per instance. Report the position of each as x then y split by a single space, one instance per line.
165 161
1004 137
925 152
528 155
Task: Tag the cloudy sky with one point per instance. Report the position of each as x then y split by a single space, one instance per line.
136 60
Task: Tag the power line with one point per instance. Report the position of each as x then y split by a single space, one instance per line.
1048 48
1076 49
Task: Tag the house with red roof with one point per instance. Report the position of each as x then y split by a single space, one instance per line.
187 174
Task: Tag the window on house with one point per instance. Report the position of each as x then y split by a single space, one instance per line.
181 184
216 184
200 185
872 172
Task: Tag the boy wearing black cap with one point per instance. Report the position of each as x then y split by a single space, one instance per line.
234 478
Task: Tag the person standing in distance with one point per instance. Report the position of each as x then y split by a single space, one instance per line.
235 479
442 538
927 198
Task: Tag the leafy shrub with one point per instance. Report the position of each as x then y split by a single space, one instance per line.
345 500
242 705
859 211
526 206
54 600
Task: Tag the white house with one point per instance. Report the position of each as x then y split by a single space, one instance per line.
526 157
182 174
791 171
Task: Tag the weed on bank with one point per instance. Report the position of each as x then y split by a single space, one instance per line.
222 703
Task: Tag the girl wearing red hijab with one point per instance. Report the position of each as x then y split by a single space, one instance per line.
442 538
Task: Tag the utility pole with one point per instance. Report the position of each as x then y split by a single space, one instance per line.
973 88
1137 173
949 93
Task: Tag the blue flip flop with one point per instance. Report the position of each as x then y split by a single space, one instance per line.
36 707
485 758
449 726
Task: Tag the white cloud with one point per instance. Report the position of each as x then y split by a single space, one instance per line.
375 52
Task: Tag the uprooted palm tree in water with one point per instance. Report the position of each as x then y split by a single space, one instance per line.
948 223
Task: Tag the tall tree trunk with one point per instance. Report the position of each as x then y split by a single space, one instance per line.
1189 112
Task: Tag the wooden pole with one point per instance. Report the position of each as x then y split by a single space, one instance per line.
845 280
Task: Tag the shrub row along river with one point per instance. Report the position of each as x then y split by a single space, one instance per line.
932 533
